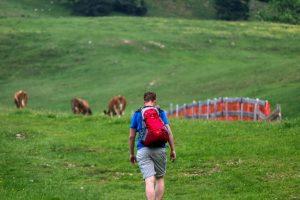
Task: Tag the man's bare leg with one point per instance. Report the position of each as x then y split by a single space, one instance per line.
159 188
150 188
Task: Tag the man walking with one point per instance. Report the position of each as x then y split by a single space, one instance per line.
152 126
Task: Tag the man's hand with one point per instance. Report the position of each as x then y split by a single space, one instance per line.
132 159
173 156
132 133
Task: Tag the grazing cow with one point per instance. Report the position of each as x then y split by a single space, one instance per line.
21 98
116 106
80 106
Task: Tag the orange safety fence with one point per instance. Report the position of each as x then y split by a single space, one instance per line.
223 109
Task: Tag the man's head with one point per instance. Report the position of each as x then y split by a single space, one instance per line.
150 97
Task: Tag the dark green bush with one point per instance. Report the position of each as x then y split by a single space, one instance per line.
131 7
105 7
92 7
287 11
232 9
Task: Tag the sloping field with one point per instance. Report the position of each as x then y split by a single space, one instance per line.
55 8
46 155
182 60
196 9
32 8
203 9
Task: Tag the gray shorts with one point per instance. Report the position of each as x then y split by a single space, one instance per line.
152 161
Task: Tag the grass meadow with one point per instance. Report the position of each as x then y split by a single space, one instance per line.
46 155
182 60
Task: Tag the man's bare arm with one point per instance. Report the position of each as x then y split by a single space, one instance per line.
171 143
131 142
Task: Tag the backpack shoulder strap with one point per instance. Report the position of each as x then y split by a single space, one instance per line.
160 110
139 110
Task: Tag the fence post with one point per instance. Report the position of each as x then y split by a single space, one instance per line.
171 109
278 107
207 109
242 111
215 108
255 110
193 109
177 110
184 110
199 109
226 109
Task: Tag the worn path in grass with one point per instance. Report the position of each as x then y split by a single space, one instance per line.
59 156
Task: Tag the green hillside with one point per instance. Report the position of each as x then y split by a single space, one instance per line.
32 8
163 8
61 156
193 9
201 9
48 153
182 60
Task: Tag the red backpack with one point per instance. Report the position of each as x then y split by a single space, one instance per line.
156 133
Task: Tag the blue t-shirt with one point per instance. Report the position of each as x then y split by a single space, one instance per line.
137 124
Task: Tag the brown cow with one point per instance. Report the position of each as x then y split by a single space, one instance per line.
116 106
80 106
21 98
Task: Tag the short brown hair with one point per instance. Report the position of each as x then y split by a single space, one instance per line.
149 96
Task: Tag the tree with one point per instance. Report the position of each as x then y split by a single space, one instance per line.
105 7
287 11
92 7
232 9
131 7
